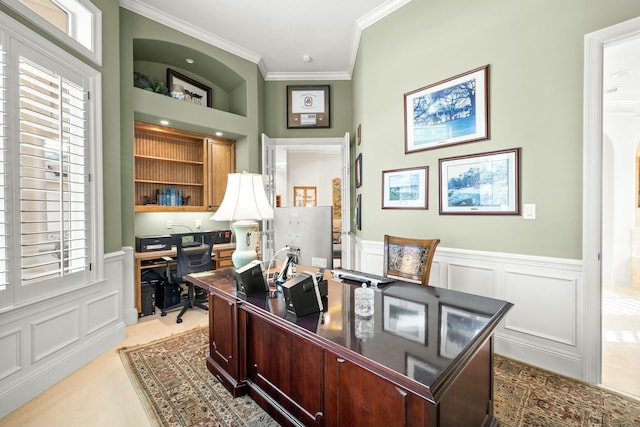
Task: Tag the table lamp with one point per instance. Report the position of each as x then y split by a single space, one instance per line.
244 202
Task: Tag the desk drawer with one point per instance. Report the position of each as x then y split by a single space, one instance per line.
222 263
225 253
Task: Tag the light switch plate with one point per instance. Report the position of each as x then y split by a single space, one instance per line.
529 211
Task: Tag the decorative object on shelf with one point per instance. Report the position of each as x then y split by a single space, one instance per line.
484 183
188 89
452 111
308 106
358 171
147 83
244 202
405 188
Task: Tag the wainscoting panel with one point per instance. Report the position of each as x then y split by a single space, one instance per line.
10 356
545 327
102 311
54 332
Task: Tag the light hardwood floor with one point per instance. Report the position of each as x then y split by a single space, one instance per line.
100 393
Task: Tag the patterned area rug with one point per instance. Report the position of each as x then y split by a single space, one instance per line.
177 389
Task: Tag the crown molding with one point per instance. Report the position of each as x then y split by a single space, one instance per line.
330 75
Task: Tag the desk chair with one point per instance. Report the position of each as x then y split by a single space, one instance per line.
193 255
408 258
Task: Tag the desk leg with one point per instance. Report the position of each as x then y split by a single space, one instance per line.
138 282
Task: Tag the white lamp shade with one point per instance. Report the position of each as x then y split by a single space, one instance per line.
244 199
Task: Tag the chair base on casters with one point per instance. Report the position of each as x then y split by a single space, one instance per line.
191 302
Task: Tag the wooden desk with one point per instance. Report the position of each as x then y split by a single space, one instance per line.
221 258
424 359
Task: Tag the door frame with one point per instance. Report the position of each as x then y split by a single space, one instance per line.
594 44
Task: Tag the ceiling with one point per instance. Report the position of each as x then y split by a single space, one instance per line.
287 39
621 74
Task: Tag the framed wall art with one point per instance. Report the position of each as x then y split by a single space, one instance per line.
187 89
359 211
358 170
308 106
457 329
452 111
485 183
405 188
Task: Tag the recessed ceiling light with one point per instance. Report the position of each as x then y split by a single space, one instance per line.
307 58
190 61
164 122
218 133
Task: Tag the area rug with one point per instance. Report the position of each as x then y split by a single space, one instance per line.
177 389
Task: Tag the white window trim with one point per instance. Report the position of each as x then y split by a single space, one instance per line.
94 54
15 296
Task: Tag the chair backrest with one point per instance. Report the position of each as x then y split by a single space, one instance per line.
193 253
408 258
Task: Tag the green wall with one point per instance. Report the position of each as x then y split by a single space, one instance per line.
535 54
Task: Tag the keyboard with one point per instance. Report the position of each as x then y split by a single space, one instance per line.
361 277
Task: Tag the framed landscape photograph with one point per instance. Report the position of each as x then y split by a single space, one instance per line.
457 329
187 89
451 111
481 184
405 188
308 106
404 318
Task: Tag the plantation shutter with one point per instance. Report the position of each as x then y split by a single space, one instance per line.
4 247
53 174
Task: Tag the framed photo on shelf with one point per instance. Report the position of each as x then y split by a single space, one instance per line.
451 111
187 89
457 329
404 318
358 170
481 184
405 188
308 106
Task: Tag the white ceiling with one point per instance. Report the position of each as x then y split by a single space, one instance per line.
276 34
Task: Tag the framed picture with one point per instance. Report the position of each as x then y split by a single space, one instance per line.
485 183
308 106
359 137
359 211
457 329
358 170
420 370
404 318
452 111
405 188
186 89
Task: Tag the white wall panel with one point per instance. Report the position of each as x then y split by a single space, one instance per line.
54 332
101 311
11 354
472 279
544 306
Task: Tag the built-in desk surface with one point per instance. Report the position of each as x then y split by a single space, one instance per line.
421 337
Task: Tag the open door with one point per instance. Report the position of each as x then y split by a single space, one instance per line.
277 182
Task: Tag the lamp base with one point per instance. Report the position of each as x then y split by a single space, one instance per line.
244 252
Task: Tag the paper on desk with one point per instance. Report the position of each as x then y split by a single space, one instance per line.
202 274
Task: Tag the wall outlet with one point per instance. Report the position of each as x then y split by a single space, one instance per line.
169 223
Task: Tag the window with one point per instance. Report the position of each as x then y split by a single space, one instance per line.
76 22
48 145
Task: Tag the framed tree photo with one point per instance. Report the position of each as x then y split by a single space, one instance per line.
485 183
452 111
405 188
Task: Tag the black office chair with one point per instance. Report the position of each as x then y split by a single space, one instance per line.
193 255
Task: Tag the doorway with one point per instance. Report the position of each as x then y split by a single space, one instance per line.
612 124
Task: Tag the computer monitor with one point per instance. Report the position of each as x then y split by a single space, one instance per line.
307 228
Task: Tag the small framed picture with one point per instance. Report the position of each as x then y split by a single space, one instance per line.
359 211
187 89
359 134
457 329
308 106
358 170
405 188
407 319
481 184
451 111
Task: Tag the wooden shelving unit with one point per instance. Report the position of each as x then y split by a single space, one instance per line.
179 161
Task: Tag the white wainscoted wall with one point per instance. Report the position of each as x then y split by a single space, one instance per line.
44 342
545 327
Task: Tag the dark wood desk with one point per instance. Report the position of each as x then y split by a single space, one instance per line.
425 358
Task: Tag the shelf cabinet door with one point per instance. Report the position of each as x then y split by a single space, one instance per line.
222 160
